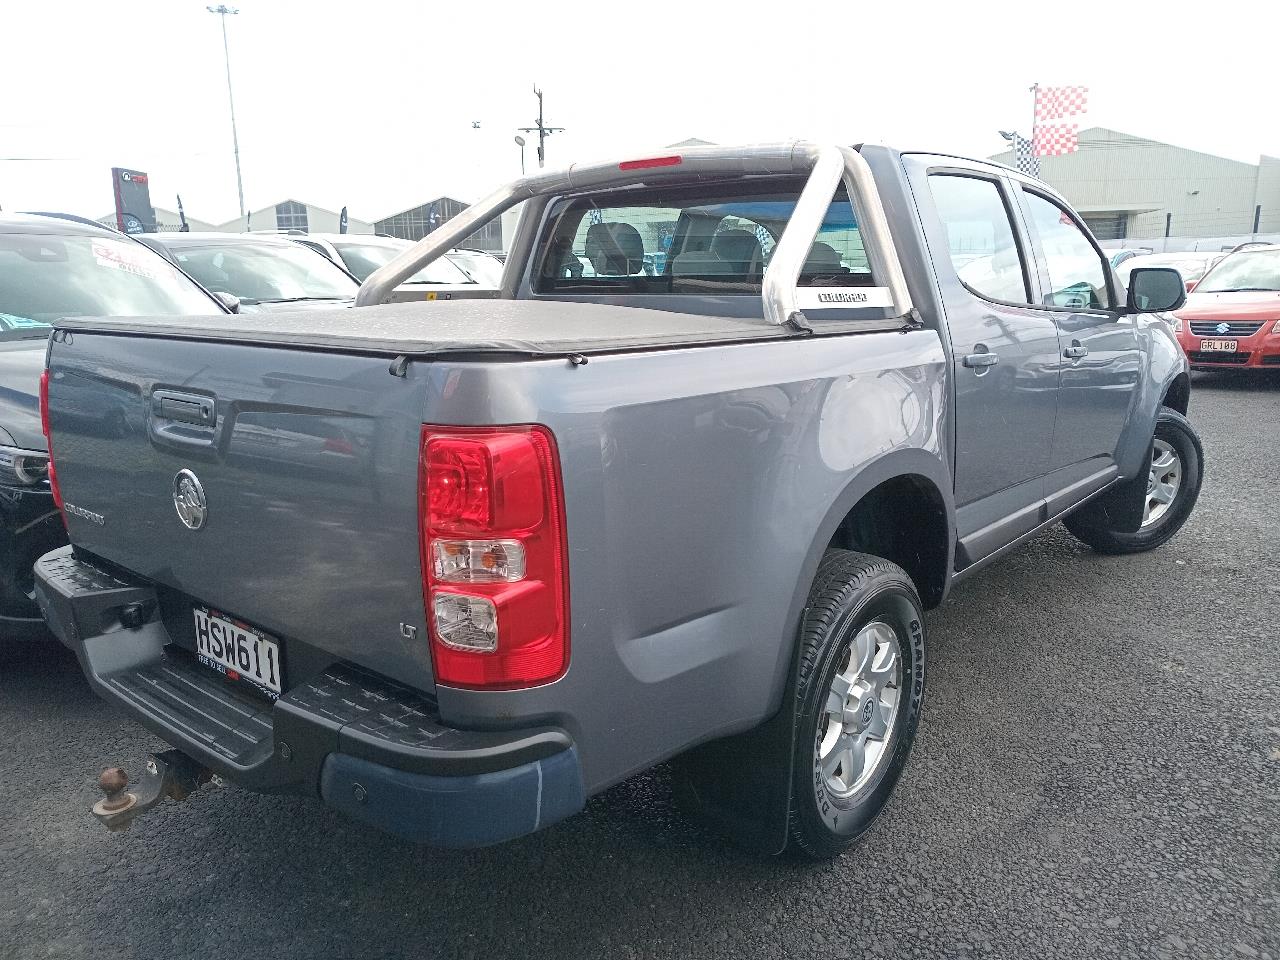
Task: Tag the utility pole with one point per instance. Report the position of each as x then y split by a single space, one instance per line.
224 11
542 130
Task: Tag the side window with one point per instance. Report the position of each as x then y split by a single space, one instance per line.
1077 275
980 236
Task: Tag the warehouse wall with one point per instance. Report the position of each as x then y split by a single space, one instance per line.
1207 195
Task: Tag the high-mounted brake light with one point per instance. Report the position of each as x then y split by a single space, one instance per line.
48 439
494 567
651 162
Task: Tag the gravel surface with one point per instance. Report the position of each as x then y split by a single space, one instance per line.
1097 775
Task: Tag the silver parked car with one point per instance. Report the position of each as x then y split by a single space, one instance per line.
263 272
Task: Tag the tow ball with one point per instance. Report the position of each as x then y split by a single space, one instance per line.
169 774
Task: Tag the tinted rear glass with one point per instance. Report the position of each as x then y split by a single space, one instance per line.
704 239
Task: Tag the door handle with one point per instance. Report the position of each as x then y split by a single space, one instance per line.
1076 351
976 361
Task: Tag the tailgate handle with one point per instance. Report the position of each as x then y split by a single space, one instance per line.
184 407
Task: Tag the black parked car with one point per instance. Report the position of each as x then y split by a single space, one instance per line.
52 268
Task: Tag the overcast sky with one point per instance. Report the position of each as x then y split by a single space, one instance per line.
370 104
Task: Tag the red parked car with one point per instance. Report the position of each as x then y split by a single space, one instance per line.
1232 319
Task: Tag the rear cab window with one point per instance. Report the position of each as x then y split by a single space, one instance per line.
701 239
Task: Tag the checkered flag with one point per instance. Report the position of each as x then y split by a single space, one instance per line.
1056 139
1054 103
1024 156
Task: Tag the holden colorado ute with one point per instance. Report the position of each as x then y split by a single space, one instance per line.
685 489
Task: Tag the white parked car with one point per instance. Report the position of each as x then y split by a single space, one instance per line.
362 253
1192 264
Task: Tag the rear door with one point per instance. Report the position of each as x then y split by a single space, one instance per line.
1005 352
1101 361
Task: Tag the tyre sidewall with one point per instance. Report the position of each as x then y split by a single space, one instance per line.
829 821
1177 433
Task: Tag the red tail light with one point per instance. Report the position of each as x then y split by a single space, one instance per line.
494 566
48 440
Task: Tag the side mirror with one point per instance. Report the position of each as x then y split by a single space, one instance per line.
1155 290
228 300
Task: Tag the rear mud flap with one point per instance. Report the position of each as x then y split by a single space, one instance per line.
1119 508
741 785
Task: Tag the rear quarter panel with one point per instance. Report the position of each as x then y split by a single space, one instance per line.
701 486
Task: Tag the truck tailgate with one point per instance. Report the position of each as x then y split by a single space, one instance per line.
308 467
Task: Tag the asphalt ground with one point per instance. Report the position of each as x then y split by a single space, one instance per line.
1097 775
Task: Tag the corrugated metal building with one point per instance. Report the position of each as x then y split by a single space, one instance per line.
416 222
1126 186
295 215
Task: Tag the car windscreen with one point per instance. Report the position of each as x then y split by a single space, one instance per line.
480 267
45 277
711 240
364 258
1244 271
264 273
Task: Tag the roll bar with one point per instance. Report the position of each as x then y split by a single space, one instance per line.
826 166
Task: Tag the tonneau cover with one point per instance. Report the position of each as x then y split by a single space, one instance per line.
526 327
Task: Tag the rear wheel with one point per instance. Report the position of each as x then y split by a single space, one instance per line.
1162 499
859 691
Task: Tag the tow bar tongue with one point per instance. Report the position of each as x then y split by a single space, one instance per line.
169 774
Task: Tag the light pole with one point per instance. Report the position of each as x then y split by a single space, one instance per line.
224 11
520 144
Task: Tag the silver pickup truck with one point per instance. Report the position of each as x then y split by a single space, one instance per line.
684 490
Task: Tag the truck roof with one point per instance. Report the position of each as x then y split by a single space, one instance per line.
516 327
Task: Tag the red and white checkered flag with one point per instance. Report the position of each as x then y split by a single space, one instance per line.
1055 139
1054 103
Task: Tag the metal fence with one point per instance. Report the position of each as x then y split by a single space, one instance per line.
1181 244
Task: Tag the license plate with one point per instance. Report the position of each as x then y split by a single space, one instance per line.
1218 346
237 650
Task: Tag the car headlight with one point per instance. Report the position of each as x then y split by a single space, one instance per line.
23 468
1173 321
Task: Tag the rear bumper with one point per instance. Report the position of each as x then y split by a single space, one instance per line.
368 746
